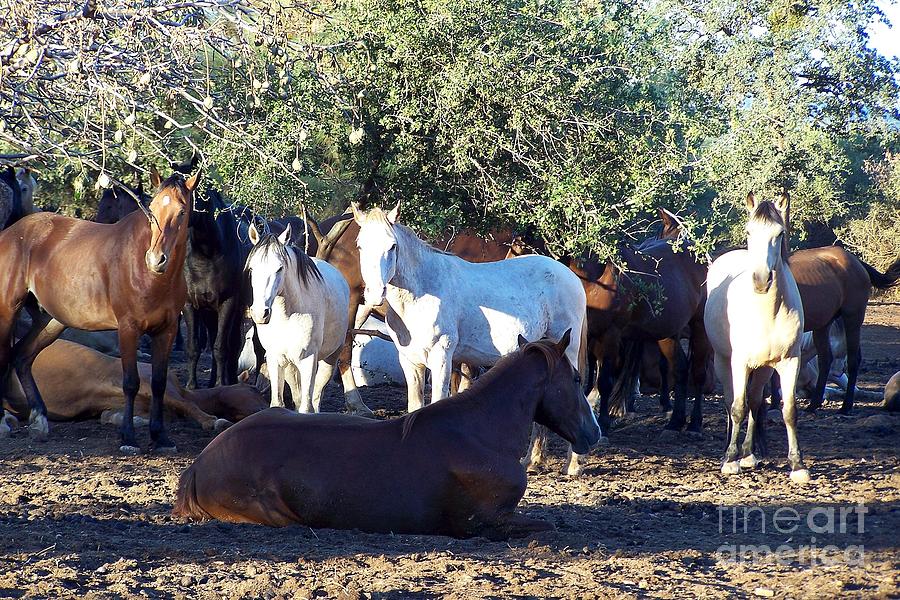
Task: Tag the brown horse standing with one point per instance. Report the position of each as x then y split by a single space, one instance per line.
834 283
74 273
449 468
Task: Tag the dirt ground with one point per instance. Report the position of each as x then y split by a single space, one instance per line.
651 516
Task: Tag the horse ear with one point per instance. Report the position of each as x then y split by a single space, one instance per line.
751 201
394 213
285 236
192 182
564 341
244 376
155 179
253 234
522 341
783 201
357 212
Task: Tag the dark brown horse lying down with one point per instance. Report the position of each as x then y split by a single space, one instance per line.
449 468
81 383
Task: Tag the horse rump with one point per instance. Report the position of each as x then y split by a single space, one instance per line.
186 504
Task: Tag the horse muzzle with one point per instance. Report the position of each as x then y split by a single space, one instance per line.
762 281
373 298
261 316
157 262
587 438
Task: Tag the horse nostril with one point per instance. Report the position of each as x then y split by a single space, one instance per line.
267 313
163 259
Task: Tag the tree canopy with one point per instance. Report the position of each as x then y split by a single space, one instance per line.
574 119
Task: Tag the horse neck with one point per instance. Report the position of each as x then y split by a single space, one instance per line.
294 291
506 401
204 233
416 263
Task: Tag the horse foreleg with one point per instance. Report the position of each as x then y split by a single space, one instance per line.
440 362
466 377
824 357
161 346
737 412
306 376
787 370
131 384
536 447
210 326
323 376
44 332
415 383
276 384
668 368
222 347
755 417
698 359
192 342
854 357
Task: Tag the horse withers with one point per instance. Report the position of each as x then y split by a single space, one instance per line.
451 468
73 273
754 321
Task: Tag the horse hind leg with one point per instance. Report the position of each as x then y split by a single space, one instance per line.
537 446
44 331
323 376
824 357
852 328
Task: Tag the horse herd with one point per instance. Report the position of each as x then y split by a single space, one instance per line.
549 330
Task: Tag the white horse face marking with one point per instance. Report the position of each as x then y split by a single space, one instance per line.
377 259
266 280
764 242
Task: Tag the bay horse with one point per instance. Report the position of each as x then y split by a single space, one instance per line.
213 269
754 319
451 468
81 383
442 308
835 284
300 312
74 273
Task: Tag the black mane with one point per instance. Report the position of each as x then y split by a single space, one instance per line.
306 267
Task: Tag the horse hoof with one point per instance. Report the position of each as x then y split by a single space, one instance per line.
363 412
603 441
731 468
129 450
749 462
694 433
165 450
571 471
39 429
221 425
667 434
800 476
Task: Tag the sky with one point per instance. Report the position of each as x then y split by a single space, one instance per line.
887 41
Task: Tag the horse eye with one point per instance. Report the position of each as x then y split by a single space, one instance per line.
181 213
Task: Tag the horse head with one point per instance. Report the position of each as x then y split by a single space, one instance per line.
767 246
265 270
168 213
377 243
563 408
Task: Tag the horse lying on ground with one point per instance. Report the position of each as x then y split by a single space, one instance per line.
81 383
892 394
450 468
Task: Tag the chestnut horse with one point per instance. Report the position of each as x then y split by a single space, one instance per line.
73 273
450 468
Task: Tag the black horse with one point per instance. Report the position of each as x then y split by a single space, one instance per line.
212 268
10 199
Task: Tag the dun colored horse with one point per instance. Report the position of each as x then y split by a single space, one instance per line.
451 468
754 320
74 273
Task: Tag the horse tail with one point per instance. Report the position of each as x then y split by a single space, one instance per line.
622 393
883 280
186 504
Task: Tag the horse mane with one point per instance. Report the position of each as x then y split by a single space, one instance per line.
546 348
175 181
767 213
306 266
377 214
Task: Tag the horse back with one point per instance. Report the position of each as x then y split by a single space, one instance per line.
831 281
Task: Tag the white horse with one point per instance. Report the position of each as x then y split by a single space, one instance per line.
300 307
754 320
444 310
